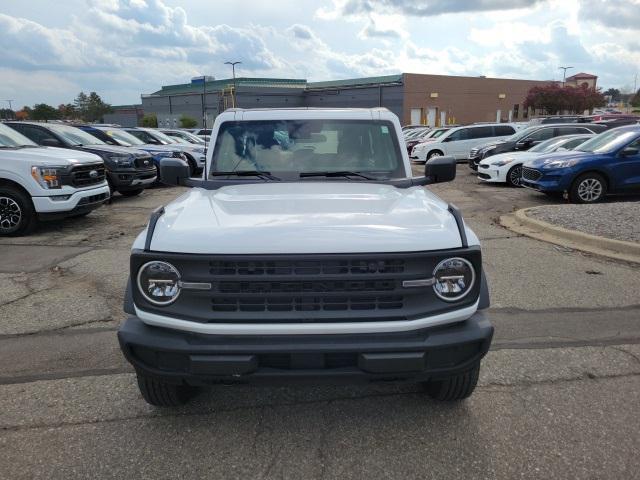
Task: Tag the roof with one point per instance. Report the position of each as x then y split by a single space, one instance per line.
351 82
581 75
217 85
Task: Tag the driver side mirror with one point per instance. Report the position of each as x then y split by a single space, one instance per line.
50 142
629 152
174 171
524 143
440 169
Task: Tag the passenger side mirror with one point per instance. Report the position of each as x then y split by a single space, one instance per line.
50 142
440 169
629 152
174 171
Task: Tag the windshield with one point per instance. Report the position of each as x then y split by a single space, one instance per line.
9 138
124 138
75 136
548 145
607 141
182 135
293 147
521 134
166 139
437 133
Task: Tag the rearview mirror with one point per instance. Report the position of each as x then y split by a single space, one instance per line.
440 169
173 171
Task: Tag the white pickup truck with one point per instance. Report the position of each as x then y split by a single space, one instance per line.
306 251
45 183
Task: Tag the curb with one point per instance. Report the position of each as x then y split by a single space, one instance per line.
519 222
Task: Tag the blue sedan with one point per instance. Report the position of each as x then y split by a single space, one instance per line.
607 163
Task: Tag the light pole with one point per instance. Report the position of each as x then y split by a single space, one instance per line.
564 73
233 69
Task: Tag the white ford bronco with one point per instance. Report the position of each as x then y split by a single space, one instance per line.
45 183
307 251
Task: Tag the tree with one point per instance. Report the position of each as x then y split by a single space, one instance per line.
187 122
150 121
90 108
635 100
42 111
7 113
554 98
68 111
22 115
614 93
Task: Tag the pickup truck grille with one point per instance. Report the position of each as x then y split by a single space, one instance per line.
87 175
144 161
306 288
531 174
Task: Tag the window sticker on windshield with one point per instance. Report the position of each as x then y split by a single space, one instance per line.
384 129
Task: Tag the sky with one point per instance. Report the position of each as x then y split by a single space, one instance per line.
51 50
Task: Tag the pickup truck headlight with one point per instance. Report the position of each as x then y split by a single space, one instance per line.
454 278
159 282
122 160
48 177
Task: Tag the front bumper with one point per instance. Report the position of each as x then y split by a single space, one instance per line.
131 179
491 174
78 202
196 359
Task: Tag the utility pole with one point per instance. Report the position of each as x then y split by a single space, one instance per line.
204 102
233 69
564 73
11 108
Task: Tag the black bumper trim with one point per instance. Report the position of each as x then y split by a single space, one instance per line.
182 357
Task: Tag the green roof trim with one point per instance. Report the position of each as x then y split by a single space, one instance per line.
356 81
217 85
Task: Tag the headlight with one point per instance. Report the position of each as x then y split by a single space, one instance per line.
198 150
502 163
122 160
159 282
560 163
48 177
454 278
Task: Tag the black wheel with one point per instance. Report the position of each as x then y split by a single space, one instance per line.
131 193
17 215
433 154
514 176
588 188
162 394
455 387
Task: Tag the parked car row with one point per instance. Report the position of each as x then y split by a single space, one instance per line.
582 168
54 170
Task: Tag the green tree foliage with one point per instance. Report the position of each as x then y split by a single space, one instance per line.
90 108
42 111
7 113
68 111
554 99
614 93
635 101
187 122
150 121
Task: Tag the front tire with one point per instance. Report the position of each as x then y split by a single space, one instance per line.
162 394
588 188
131 193
514 176
455 387
433 154
17 215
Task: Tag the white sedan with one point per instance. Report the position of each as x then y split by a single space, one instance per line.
507 167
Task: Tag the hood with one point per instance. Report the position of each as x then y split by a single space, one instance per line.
494 143
52 156
520 156
113 149
309 217
540 160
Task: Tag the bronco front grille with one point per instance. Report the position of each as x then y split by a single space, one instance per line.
306 288
531 174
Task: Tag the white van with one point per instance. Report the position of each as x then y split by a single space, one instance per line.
458 141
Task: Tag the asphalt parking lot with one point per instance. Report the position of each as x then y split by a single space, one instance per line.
559 394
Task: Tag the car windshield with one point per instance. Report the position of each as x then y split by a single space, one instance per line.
294 147
166 139
9 138
521 134
608 141
438 132
124 138
180 135
548 145
75 136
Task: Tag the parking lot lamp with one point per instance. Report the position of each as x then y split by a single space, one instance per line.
564 73
233 70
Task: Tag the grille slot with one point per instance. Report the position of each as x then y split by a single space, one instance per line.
305 304
81 175
144 161
306 267
531 174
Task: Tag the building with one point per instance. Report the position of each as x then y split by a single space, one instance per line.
415 98
585 80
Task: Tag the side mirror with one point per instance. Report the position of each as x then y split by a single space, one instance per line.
440 169
50 142
173 171
629 152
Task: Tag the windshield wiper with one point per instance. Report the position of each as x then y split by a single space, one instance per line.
343 173
246 173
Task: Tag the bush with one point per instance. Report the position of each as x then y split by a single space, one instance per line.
150 121
187 122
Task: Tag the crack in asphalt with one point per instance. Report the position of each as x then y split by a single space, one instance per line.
490 387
